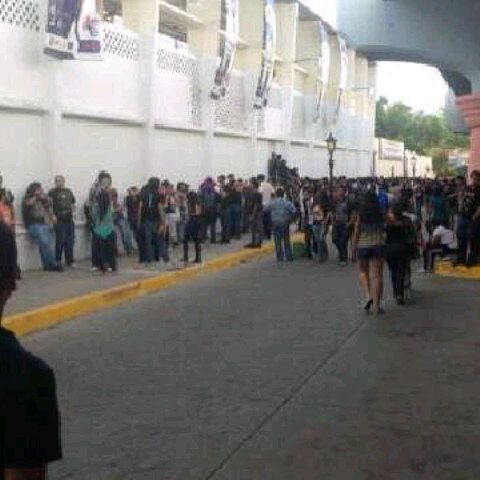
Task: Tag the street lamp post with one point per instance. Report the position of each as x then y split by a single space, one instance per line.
331 147
414 165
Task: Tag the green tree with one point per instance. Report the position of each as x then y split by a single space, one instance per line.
424 134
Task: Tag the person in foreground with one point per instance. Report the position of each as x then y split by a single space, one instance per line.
369 249
29 417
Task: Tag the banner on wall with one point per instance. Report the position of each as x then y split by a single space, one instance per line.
323 69
268 55
342 84
225 67
74 30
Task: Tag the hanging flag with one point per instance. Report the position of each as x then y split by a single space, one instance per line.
225 67
342 84
268 55
323 69
89 32
73 30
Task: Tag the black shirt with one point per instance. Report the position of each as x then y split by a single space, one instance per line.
475 204
63 202
257 202
150 205
29 417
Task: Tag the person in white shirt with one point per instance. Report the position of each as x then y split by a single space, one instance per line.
267 191
443 243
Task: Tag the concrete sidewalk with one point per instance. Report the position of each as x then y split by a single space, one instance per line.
38 288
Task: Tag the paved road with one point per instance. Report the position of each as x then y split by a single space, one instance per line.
271 372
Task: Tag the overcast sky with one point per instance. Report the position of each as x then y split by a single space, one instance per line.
418 86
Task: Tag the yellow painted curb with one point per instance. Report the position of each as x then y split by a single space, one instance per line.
446 269
59 312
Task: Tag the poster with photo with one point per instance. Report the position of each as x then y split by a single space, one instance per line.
225 66
323 69
73 30
268 55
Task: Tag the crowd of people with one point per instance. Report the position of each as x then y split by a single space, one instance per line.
370 220
393 221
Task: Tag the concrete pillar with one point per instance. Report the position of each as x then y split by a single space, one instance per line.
142 16
287 27
251 30
470 107
51 122
207 72
204 41
307 56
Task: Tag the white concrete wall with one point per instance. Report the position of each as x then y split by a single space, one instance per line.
145 110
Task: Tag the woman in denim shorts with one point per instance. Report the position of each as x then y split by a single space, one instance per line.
369 249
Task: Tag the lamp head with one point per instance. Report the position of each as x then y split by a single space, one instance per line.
331 143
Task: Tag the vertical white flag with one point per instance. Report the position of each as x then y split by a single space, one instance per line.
230 42
323 69
268 55
343 81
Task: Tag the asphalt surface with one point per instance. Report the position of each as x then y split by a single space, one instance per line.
271 371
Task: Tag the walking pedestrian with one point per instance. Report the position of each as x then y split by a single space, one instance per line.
104 234
63 202
38 218
193 227
282 213
29 416
398 251
369 250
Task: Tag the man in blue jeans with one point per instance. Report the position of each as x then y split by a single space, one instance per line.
282 213
63 203
37 217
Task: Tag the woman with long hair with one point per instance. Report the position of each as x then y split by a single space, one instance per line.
369 249
103 234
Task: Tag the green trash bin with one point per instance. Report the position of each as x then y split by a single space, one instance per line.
298 250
